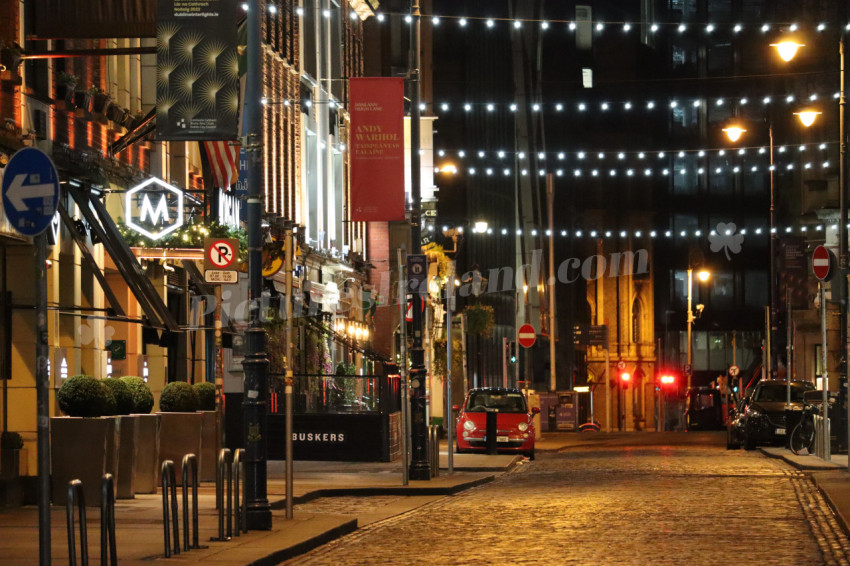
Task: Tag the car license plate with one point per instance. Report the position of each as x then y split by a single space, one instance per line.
502 439
780 431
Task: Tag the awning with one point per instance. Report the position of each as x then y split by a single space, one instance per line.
104 227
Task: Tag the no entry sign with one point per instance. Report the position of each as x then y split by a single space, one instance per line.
822 263
526 336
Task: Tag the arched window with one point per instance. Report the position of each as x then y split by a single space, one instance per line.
636 322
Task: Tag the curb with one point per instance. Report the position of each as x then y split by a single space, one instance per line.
366 491
814 466
842 520
279 556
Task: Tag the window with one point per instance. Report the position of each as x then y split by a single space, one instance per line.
722 290
685 179
308 32
719 175
687 223
755 288
636 322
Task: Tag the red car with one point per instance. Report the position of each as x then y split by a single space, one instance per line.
514 421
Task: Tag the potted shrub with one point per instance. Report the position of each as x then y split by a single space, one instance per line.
180 426
210 430
10 58
89 430
66 83
146 459
11 444
127 432
82 102
100 100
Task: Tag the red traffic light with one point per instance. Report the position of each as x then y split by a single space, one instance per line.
668 380
625 377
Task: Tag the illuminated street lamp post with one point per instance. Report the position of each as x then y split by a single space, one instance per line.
703 276
787 49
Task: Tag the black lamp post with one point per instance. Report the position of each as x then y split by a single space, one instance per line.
256 363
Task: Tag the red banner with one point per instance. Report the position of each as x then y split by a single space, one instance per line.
377 149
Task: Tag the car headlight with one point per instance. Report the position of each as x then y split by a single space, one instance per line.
754 413
522 427
468 425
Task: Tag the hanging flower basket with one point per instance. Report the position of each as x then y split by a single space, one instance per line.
480 319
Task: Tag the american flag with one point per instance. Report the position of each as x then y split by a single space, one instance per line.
223 157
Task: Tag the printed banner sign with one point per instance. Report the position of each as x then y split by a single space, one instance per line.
197 84
377 149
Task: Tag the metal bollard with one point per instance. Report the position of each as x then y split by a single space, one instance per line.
434 449
107 521
190 461
75 494
169 483
224 473
239 491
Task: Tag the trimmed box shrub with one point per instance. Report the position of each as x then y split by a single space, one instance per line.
142 396
85 396
123 396
178 397
206 395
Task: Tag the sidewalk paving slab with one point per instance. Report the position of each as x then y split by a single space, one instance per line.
139 522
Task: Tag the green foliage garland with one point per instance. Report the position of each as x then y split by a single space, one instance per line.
187 236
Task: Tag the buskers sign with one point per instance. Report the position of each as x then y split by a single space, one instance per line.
154 208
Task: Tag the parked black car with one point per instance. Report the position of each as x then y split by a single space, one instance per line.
760 417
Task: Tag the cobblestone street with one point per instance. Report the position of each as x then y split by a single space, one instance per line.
629 501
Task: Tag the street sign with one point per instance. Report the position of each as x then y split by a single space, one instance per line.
219 253
221 276
621 365
734 371
822 263
417 272
689 369
526 336
30 191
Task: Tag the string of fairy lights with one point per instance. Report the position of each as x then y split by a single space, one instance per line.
483 228
583 107
596 25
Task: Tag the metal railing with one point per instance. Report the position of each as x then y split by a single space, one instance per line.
107 522
224 473
75 495
169 486
239 491
190 463
434 449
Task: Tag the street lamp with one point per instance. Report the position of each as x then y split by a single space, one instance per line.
733 132
789 52
703 276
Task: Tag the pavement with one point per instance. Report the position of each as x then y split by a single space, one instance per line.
373 491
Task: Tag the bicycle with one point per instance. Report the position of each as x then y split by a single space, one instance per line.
803 436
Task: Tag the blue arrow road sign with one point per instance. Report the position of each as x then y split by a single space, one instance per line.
30 191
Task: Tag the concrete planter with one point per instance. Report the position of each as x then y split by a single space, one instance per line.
210 443
125 476
146 458
10 462
179 434
83 449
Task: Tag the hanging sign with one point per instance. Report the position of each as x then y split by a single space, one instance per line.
154 208
377 149
197 86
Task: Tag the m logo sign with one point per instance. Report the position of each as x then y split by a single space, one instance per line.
154 208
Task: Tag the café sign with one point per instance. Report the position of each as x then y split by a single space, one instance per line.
154 208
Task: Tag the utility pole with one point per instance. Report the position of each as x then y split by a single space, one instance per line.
256 363
550 198
290 252
419 467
